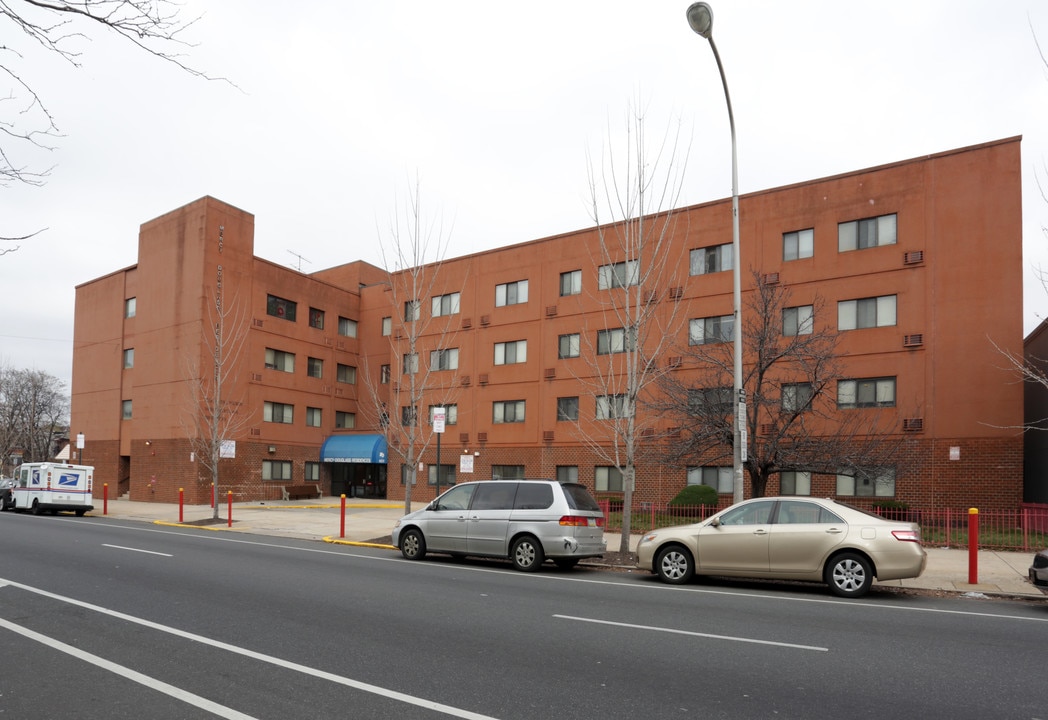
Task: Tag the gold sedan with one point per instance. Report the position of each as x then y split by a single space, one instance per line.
788 538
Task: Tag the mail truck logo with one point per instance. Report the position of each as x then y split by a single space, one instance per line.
35 477
67 480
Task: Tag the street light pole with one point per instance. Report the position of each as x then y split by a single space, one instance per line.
700 18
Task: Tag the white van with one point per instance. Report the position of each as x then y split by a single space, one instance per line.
52 487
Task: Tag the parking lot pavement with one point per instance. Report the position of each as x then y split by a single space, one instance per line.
948 570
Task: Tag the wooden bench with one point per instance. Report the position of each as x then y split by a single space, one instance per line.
300 492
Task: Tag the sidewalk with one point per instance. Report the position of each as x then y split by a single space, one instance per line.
999 573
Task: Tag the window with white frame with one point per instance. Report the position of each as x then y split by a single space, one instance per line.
567 408
280 308
567 473
704 261
610 407
794 482
797 397
799 244
384 373
507 411
867 233
571 283
125 410
513 293
866 482
509 353
710 401
798 320
618 275
607 478
507 472
345 420
409 363
445 304
866 393
312 472
346 374
408 415
278 470
387 326
130 307
866 313
568 346
280 360
314 367
313 416
411 310
275 412
710 330
451 413
613 341
129 358
316 318
444 359
447 474
347 327
722 479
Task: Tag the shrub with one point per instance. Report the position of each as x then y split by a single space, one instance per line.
695 495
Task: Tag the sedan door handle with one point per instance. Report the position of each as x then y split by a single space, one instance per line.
833 531
760 531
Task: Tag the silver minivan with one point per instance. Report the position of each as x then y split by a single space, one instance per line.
526 521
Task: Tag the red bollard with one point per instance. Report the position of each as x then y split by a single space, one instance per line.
212 494
105 498
181 498
342 525
973 546
230 511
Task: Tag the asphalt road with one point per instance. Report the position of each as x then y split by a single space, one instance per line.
104 619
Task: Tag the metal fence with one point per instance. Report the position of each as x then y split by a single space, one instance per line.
1024 530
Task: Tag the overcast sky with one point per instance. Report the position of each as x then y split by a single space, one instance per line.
495 107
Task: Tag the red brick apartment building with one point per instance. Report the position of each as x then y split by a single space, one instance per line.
917 265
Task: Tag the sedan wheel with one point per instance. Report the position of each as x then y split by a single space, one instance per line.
674 565
849 575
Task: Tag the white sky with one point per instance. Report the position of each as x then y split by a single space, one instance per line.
495 106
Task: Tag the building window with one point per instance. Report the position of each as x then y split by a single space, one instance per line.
411 310
445 304
567 473
610 407
276 470
387 326
798 320
347 327
710 330
313 416
278 412
799 244
507 472
444 359
866 482
280 360
346 374
129 358
281 308
312 472
409 363
867 233
447 475
383 374
866 313
866 393
571 283
614 341
707 401
507 411
125 410
568 346
345 420
513 293
793 482
722 479
315 367
130 306
618 275
408 415
567 408
607 478
451 414
711 259
509 353
796 397
316 318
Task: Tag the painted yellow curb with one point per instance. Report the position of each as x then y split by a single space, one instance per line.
358 543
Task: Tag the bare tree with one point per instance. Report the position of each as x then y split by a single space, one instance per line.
638 262
420 336
214 413
34 413
792 419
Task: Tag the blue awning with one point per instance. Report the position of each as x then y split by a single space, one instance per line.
354 449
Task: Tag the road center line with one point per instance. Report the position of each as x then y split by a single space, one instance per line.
693 634
261 657
148 552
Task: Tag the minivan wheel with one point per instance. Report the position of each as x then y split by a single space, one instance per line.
527 554
674 565
849 575
413 545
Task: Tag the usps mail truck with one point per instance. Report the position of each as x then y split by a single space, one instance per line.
50 487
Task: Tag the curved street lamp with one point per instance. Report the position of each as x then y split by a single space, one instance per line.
700 18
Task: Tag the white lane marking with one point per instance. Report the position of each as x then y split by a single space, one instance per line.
732 638
125 672
148 552
261 657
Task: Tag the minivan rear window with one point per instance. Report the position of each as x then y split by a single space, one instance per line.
579 497
533 496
